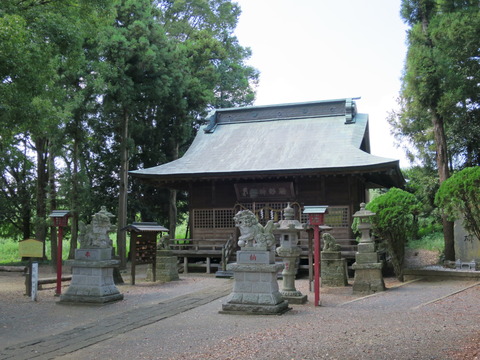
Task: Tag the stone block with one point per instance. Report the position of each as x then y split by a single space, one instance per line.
334 273
262 287
252 276
253 257
250 298
93 254
330 255
366 247
366 258
242 287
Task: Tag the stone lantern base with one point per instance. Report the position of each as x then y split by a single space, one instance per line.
368 270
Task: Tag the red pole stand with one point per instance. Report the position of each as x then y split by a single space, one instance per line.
59 262
316 268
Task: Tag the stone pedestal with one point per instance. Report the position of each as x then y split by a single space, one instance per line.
368 270
255 291
333 270
167 269
92 277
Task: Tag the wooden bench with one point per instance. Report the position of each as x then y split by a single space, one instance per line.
52 280
199 248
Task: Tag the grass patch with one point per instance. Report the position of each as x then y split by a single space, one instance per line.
432 242
9 251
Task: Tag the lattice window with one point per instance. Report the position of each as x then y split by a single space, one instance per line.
203 218
224 218
213 218
337 217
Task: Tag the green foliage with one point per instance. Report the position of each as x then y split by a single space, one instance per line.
459 197
432 241
71 70
440 82
394 223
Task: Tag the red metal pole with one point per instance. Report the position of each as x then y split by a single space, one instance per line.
316 268
59 261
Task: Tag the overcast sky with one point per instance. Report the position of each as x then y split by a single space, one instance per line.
308 50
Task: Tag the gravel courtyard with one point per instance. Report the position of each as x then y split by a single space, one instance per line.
413 320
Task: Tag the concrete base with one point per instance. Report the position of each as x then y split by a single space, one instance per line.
255 291
296 297
246 309
333 270
92 280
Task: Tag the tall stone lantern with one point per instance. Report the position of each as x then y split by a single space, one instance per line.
290 252
368 269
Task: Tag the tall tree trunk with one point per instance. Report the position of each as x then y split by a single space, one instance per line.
444 174
26 210
441 149
74 201
53 206
122 195
41 146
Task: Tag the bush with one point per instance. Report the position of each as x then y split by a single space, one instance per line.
459 196
394 223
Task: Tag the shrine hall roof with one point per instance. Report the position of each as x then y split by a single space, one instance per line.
305 138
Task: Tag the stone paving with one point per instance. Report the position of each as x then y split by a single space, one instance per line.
50 347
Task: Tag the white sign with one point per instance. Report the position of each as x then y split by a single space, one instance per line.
34 280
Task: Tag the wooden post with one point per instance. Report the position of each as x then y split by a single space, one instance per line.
316 255
58 291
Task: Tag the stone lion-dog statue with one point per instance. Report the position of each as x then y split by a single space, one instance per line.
253 234
330 243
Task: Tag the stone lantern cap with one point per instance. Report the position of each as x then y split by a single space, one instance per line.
363 213
289 223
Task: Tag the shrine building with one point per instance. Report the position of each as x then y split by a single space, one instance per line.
263 157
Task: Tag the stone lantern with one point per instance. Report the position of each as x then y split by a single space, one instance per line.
368 269
290 252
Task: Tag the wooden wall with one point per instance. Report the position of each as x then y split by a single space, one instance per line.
214 201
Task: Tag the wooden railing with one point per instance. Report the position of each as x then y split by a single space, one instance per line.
207 249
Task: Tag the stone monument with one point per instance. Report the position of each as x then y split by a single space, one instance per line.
368 269
290 252
92 270
334 267
166 265
255 290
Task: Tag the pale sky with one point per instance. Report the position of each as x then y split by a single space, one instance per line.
308 50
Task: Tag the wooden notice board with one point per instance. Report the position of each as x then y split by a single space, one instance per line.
30 248
143 250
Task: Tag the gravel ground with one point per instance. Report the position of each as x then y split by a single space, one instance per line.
400 323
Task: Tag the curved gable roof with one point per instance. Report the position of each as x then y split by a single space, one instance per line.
285 139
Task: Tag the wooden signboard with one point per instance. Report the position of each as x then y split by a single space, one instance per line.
30 248
265 191
143 250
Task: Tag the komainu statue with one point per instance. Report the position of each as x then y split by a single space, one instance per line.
253 234
329 243
95 235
